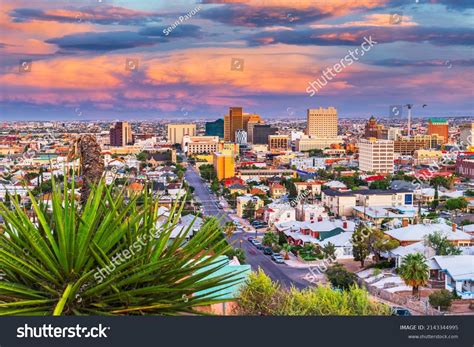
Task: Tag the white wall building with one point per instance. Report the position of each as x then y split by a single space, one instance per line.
376 155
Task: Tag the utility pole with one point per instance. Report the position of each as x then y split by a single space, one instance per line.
410 106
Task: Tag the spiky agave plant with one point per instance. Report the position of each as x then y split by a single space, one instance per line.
55 266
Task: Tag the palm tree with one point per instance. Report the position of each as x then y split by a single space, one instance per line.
414 271
229 229
110 257
287 248
92 165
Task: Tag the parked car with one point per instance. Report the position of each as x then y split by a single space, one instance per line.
258 244
260 226
267 251
400 311
277 258
250 239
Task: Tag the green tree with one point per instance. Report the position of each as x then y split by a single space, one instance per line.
380 184
229 228
435 202
329 250
142 157
239 253
456 204
360 244
441 298
249 210
215 185
441 244
340 278
270 239
207 172
104 258
414 271
379 242
439 181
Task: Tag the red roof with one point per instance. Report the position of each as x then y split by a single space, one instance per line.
233 180
374 178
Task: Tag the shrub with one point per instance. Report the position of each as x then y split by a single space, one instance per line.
276 248
260 296
340 278
441 298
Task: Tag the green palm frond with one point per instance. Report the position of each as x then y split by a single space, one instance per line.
108 257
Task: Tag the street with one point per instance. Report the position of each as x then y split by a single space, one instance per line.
281 273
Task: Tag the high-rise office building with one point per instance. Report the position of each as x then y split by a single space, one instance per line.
215 128
241 137
237 120
438 126
176 132
121 134
250 127
322 122
376 155
261 133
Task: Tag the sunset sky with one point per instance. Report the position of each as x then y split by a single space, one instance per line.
68 59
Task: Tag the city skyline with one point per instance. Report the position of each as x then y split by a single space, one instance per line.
108 60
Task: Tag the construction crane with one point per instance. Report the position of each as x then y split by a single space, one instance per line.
410 106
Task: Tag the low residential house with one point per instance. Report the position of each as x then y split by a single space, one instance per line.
238 189
233 180
426 195
188 224
277 190
242 202
311 212
338 203
299 233
387 215
418 232
227 293
336 185
342 203
342 243
310 188
279 213
457 271
175 190
468 229
402 251
257 191
134 188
